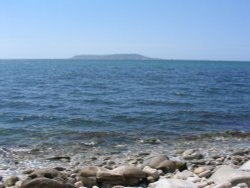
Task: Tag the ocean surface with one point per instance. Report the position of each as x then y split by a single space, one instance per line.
60 103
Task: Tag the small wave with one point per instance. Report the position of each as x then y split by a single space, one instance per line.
85 121
213 135
155 102
24 118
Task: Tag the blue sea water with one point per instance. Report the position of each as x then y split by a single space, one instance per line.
68 101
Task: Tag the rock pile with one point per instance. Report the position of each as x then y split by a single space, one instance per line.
191 170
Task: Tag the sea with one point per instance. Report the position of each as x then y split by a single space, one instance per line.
67 106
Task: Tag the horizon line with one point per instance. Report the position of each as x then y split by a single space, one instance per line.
153 59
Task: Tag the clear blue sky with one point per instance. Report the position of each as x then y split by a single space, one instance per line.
177 29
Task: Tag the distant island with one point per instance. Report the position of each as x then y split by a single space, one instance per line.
113 57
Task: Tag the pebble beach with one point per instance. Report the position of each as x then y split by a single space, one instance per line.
220 162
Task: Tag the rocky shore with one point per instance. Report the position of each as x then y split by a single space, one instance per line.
189 168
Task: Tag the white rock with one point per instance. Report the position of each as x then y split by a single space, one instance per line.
151 172
194 179
245 166
228 174
172 183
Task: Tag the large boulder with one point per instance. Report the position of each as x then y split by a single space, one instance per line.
87 175
227 174
124 175
46 178
172 183
110 178
49 173
44 183
91 171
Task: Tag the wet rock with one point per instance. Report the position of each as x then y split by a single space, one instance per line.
228 174
172 183
241 152
10 181
49 173
180 165
191 154
28 171
59 158
59 168
44 183
245 166
151 141
142 154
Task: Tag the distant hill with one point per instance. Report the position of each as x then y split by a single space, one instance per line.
113 57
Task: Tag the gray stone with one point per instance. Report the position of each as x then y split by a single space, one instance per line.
224 185
162 162
184 175
191 154
205 174
228 174
91 171
44 183
87 175
10 181
154 161
242 185
49 173
245 166
151 172
123 175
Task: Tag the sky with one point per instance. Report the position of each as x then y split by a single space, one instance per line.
171 29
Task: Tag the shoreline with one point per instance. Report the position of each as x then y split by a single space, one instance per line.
211 153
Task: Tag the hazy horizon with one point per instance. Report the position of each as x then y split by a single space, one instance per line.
154 59
193 30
